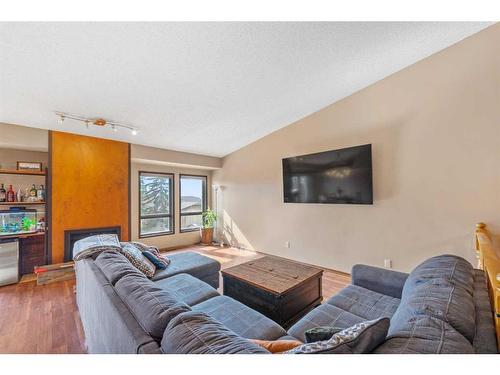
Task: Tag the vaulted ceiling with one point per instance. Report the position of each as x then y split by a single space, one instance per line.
207 88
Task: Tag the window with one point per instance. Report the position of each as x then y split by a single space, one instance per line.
156 192
193 199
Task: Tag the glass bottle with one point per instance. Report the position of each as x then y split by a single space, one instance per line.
11 196
41 193
3 194
33 191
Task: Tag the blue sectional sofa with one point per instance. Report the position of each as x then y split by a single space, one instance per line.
440 307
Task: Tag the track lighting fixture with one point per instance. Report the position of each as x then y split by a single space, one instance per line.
95 121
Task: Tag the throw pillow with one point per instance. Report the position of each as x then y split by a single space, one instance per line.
320 333
93 245
138 260
157 261
159 258
361 338
277 346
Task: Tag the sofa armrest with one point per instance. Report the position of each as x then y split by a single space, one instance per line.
379 280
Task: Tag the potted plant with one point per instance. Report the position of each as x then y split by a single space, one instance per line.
209 218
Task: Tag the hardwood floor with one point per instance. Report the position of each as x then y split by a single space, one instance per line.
40 319
45 319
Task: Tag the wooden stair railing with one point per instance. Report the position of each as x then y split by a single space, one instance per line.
489 261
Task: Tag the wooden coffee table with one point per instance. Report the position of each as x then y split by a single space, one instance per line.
280 289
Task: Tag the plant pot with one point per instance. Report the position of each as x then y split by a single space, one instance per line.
207 236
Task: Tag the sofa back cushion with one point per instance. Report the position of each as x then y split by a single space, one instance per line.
114 266
452 268
197 333
440 299
153 307
425 335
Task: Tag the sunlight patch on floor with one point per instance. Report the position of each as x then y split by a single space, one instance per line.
241 253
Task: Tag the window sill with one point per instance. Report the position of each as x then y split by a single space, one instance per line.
156 234
190 230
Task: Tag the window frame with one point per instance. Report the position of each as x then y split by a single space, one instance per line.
204 200
171 207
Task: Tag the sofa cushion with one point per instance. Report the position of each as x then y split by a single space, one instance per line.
325 315
440 299
152 306
425 335
484 339
114 266
134 255
364 302
192 263
240 319
450 267
197 333
187 289
380 280
360 338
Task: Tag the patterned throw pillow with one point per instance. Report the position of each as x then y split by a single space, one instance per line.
160 261
134 255
92 245
361 338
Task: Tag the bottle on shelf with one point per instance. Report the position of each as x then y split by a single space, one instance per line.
19 195
3 194
40 193
11 196
32 196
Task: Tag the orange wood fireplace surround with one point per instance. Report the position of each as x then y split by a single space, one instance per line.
89 187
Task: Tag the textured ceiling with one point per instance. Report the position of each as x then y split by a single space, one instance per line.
207 88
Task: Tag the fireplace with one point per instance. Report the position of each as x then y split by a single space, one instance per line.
71 236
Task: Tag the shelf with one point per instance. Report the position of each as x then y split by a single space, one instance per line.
21 203
22 235
27 173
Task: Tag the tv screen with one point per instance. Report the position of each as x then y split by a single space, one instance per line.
338 176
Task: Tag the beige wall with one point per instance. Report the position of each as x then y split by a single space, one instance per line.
171 240
10 157
435 131
178 159
23 138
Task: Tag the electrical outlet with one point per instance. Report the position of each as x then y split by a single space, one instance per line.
387 263
287 244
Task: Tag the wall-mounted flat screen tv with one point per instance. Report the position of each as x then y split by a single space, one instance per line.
339 176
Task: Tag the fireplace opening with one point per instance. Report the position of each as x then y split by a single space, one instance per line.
71 236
